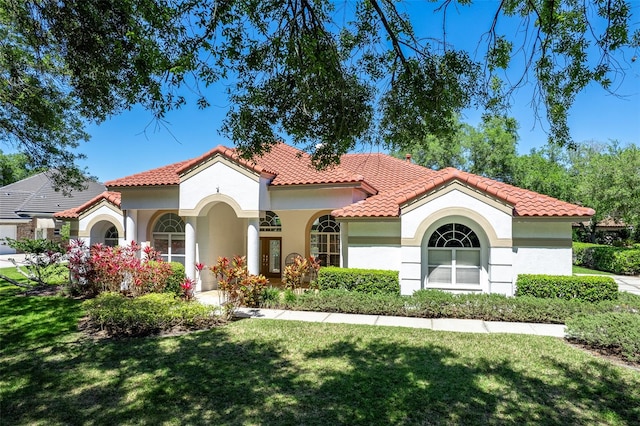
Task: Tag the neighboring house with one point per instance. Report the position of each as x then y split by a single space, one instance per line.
27 208
442 229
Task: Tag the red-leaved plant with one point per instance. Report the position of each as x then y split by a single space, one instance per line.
238 286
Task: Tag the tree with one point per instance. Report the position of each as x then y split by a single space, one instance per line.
14 167
298 68
488 150
491 148
607 179
544 171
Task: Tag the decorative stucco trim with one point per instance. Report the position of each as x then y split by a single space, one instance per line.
367 219
494 241
542 242
219 158
96 206
211 199
372 241
465 189
153 219
100 218
360 185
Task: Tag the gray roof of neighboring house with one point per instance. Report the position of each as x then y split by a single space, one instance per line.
35 196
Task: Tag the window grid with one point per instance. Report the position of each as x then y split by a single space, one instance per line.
168 237
454 256
111 237
325 241
270 222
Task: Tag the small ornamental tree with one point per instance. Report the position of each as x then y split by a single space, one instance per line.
42 260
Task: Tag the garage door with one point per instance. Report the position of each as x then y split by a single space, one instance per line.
10 232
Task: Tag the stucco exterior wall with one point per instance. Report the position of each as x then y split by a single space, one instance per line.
542 246
373 244
222 178
313 198
490 219
102 213
149 198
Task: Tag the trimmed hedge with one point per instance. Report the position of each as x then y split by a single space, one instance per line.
370 281
150 314
440 304
586 288
615 332
619 260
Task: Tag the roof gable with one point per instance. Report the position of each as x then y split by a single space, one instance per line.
525 203
110 197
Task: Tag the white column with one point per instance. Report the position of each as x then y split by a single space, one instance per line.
190 249
130 226
344 244
253 246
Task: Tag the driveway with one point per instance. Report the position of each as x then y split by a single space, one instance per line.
628 283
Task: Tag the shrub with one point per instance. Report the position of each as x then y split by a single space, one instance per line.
619 260
615 332
301 267
175 279
583 254
119 315
370 281
440 304
587 288
238 286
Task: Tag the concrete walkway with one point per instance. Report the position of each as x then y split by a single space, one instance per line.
439 324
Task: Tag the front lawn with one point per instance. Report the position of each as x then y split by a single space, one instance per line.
281 372
586 271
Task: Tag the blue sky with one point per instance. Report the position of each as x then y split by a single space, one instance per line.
132 142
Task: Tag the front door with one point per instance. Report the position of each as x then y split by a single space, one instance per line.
270 257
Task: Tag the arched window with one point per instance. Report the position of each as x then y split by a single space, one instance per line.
325 240
111 237
454 255
168 237
270 222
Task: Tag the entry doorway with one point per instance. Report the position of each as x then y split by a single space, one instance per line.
270 257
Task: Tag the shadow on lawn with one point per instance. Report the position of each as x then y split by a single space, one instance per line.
230 376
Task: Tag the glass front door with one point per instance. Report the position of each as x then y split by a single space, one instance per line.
270 262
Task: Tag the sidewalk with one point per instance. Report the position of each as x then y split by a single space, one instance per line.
439 324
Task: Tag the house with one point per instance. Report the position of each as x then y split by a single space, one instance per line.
27 208
442 229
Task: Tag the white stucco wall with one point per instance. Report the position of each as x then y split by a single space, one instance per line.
93 224
164 197
220 178
313 199
373 245
542 246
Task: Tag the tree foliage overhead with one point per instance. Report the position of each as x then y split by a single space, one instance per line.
314 71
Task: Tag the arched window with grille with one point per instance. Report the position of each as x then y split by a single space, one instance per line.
168 237
270 222
111 237
454 256
325 240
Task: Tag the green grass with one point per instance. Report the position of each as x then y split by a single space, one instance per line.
288 373
583 270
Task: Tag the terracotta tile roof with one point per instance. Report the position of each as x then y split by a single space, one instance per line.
383 171
73 213
525 203
161 176
294 168
225 152
391 181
